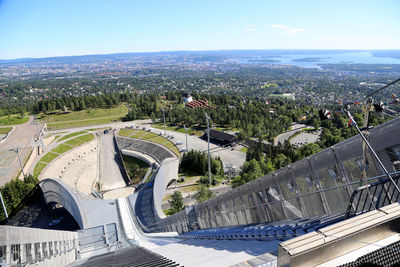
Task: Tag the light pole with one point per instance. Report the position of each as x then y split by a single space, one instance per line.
4 207
163 111
187 147
230 167
38 128
16 150
41 141
208 140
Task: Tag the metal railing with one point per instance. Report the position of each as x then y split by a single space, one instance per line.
373 196
321 184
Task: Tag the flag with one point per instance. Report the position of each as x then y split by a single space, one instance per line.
351 122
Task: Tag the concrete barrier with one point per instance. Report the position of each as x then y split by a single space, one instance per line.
56 191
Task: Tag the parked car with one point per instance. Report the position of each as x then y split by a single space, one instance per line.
56 221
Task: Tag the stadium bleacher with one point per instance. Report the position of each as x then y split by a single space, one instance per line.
156 151
265 231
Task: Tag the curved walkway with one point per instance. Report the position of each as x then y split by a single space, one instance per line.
77 167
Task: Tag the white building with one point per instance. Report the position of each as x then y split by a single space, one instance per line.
187 98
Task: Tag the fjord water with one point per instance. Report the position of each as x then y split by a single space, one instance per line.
314 60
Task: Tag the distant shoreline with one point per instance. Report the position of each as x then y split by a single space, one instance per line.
389 53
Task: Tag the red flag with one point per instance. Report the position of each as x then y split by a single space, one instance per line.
351 122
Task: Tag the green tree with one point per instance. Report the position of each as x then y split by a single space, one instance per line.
176 202
204 193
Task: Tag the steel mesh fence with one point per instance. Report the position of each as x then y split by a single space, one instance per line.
315 186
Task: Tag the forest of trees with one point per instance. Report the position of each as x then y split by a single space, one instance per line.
196 162
333 131
16 194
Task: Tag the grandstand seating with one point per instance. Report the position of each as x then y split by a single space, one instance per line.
134 256
156 151
265 231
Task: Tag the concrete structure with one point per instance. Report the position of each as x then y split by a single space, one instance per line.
168 171
77 167
22 246
55 191
87 212
110 174
316 195
340 239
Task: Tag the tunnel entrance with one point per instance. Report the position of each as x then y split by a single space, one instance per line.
38 214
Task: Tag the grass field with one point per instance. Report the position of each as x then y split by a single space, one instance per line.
149 136
12 120
80 140
61 149
121 110
95 129
177 129
243 149
5 130
74 142
38 169
49 157
126 132
189 188
85 138
92 122
138 134
71 135
84 118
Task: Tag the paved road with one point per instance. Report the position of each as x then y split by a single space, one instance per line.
305 138
108 125
283 136
110 174
227 155
23 135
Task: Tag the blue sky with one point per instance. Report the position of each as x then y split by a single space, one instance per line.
42 28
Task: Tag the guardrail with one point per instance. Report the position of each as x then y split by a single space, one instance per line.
21 246
373 196
321 184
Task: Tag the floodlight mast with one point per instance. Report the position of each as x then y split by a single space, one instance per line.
16 150
208 141
4 207
163 111
187 147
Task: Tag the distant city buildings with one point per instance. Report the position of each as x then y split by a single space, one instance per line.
284 95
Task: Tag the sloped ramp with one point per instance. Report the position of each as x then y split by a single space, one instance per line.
134 256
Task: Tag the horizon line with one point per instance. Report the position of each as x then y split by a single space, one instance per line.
188 50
